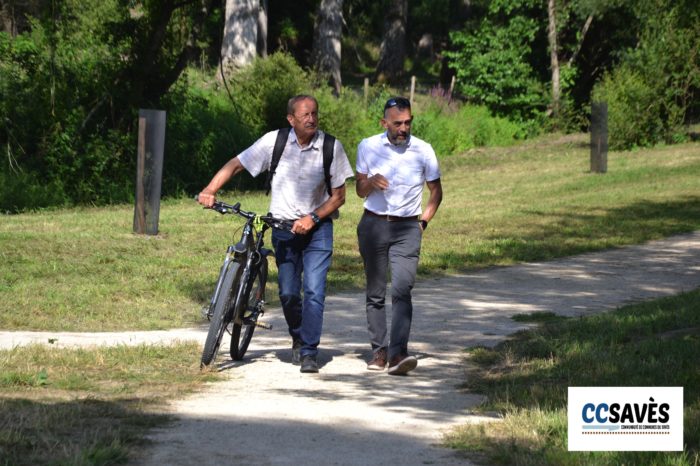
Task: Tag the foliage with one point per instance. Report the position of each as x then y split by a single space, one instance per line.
206 127
453 131
70 87
348 118
493 60
650 93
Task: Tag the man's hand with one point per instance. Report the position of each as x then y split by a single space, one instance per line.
303 225
206 198
378 182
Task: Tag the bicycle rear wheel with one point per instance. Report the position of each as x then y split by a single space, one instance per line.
251 305
221 317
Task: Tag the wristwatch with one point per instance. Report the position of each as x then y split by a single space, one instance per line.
315 218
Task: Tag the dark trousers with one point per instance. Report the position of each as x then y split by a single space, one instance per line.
389 246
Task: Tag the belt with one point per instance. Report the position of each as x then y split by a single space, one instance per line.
393 218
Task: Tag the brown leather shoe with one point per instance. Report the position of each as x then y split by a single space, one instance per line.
378 362
402 364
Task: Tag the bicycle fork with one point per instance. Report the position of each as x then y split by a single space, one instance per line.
207 310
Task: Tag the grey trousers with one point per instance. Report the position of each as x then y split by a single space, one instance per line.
395 247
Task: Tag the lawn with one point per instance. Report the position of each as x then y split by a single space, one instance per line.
83 269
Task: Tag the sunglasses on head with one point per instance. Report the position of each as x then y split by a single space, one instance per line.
400 102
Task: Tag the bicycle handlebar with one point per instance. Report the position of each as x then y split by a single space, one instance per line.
224 208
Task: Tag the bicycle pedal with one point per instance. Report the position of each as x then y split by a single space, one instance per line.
264 325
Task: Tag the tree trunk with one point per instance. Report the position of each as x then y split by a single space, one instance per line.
327 47
393 49
14 14
460 12
554 57
239 44
262 29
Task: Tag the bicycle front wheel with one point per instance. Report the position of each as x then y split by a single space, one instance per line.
222 314
249 310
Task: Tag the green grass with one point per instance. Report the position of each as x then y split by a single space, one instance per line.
83 269
526 380
88 406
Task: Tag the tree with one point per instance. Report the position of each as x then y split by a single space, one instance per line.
262 29
555 11
327 46
240 42
393 49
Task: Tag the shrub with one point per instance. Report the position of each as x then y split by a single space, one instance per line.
453 131
206 127
650 93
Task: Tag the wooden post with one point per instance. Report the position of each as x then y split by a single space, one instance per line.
149 171
452 88
413 88
599 137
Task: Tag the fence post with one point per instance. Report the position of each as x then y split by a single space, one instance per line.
599 137
149 170
413 88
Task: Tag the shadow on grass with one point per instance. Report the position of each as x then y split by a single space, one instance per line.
81 431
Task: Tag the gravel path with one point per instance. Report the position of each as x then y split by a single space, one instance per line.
267 413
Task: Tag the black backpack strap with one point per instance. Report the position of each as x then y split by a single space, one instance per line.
280 144
328 145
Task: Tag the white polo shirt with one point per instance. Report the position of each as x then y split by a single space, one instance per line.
407 168
299 186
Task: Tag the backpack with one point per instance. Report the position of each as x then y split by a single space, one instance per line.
281 142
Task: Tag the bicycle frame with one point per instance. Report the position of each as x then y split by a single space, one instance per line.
249 248
244 267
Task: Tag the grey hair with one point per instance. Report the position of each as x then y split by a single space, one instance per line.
298 98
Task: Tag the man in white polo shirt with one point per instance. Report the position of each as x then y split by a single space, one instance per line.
392 169
299 194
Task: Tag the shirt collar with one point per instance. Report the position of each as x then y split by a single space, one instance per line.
314 140
385 140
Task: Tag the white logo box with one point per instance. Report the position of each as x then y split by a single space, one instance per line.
625 418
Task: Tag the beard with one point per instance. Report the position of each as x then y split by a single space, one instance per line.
400 140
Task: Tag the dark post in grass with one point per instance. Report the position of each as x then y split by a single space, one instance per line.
149 170
599 137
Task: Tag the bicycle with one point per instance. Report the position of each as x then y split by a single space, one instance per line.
238 300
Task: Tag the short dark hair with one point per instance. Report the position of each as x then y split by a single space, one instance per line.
298 98
402 103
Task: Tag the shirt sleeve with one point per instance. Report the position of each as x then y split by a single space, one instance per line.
257 158
340 167
361 162
432 168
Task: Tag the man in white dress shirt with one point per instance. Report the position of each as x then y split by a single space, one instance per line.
392 169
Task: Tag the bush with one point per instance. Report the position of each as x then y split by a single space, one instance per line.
206 127
348 118
650 93
634 109
453 131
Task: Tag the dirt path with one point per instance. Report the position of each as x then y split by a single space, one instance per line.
267 413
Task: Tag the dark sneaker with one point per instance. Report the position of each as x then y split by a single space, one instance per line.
309 364
378 362
296 352
402 364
